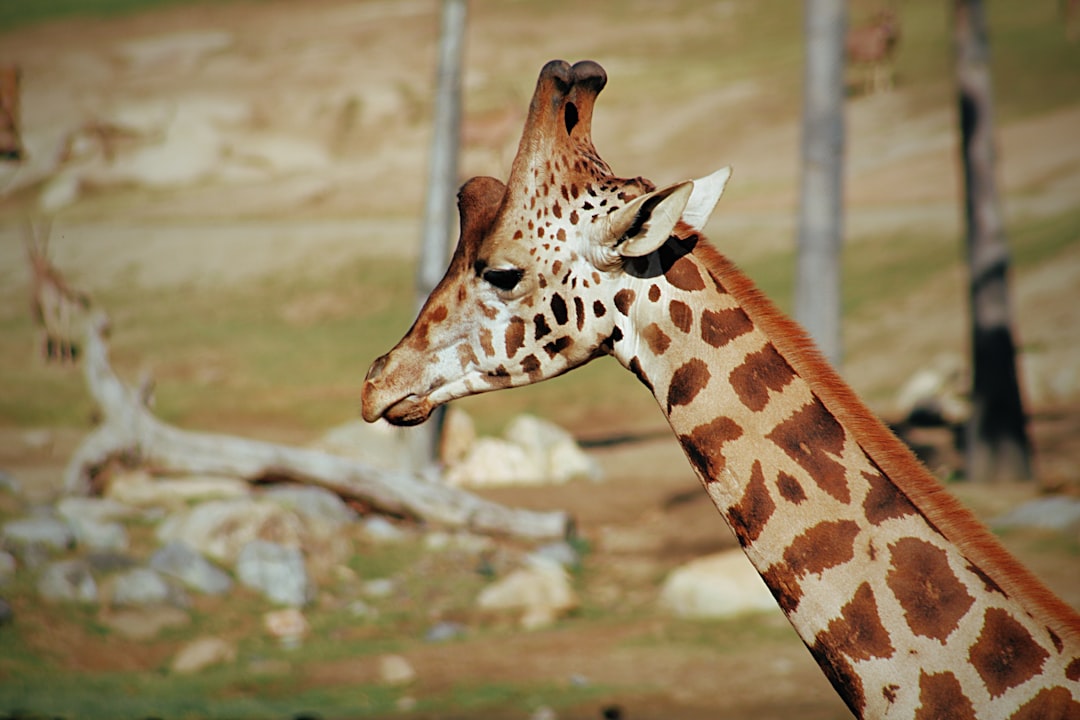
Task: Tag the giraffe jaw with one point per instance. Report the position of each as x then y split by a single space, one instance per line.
409 410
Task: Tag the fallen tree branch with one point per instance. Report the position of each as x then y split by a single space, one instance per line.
131 431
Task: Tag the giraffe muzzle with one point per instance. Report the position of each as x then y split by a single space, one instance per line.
380 399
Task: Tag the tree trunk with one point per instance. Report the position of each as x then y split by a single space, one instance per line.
439 205
817 281
997 445
130 432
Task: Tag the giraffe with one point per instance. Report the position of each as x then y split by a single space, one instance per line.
910 607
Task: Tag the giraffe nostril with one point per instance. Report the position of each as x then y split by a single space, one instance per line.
376 369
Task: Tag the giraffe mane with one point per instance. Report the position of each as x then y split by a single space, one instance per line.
899 463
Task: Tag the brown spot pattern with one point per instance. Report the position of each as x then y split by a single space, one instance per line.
784 586
635 367
856 635
884 500
858 632
989 584
844 679
790 489
540 323
654 292
559 309
684 275
809 436
759 373
932 597
749 516
942 698
515 336
704 445
1072 670
623 299
1049 703
598 309
557 345
681 315
686 382
656 338
825 545
485 342
579 312
718 328
531 366
1005 655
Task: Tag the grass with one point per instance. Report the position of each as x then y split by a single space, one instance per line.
15 14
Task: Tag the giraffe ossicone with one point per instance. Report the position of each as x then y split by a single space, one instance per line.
910 607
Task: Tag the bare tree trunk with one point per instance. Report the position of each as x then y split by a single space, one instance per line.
130 432
817 281
997 446
439 205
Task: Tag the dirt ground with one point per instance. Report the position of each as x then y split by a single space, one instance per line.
292 66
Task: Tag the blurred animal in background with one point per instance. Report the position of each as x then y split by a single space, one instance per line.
11 147
871 47
1070 18
58 309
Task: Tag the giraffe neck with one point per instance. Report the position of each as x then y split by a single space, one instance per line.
901 597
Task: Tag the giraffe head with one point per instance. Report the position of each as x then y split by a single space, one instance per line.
533 288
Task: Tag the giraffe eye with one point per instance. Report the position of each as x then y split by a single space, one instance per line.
504 280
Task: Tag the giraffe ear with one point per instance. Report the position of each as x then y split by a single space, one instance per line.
707 192
648 221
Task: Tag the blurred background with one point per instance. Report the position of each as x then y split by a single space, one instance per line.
240 186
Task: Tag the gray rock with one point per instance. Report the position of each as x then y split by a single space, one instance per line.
9 483
100 536
8 566
275 570
314 503
68 581
379 529
561 552
179 560
219 529
1046 513
74 509
443 631
143 586
43 532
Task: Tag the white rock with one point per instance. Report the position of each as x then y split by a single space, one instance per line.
68 581
541 590
491 462
202 653
287 625
717 586
45 532
395 670
533 452
275 570
379 444
221 528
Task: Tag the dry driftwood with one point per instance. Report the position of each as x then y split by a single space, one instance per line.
130 431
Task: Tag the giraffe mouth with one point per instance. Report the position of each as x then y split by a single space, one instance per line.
409 410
